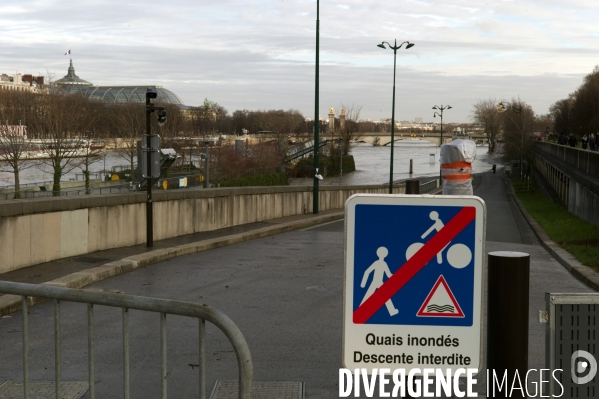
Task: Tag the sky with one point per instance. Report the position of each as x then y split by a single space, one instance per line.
260 54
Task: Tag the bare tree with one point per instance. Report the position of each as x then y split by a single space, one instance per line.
351 129
15 146
561 112
15 151
518 125
579 112
130 123
88 158
487 113
61 120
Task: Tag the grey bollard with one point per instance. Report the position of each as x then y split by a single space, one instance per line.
412 186
411 166
507 316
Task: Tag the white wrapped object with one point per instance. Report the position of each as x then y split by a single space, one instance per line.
456 167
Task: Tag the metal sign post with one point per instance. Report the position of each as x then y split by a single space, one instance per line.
413 289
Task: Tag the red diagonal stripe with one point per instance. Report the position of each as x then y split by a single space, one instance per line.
414 264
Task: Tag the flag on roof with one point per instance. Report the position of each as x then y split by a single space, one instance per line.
68 52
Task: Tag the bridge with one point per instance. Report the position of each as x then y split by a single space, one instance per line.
384 138
373 138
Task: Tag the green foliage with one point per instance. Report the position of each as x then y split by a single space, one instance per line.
305 167
265 179
575 235
333 166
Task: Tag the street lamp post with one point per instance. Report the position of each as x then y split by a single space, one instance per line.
150 107
395 47
440 113
316 118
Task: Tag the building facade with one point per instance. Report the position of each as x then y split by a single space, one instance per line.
20 82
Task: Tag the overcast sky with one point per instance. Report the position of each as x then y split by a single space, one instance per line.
260 54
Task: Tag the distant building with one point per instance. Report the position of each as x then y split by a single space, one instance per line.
113 94
418 120
19 82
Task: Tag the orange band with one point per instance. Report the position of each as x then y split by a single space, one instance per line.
457 165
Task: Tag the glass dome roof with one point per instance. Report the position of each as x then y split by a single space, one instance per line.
128 94
113 94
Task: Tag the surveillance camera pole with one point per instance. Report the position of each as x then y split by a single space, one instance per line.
150 93
149 210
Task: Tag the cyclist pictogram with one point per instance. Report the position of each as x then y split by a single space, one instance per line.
458 255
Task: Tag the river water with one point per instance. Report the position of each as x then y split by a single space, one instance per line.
372 165
42 172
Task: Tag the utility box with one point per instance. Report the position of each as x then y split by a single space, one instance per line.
572 345
142 156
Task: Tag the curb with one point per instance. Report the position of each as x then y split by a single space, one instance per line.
583 273
12 303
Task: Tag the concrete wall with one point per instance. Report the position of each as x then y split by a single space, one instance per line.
583 202
34 231
565 181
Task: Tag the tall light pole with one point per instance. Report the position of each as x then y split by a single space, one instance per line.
316 118
395 47
440 113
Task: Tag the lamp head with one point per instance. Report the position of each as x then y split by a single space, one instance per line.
448 107
435 107
381 45
409 45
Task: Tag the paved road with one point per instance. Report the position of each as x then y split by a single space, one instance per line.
284 292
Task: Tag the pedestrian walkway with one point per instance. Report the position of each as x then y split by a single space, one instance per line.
285 291
72 272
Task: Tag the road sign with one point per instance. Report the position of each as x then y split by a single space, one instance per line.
413 286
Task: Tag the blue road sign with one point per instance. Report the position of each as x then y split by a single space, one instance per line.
441 292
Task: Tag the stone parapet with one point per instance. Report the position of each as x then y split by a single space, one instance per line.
39 230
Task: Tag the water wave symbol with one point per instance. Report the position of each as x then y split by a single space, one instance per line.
440 308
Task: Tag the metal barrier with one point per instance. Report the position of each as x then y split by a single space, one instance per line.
23 194
584 160
127 302
428 186
571 338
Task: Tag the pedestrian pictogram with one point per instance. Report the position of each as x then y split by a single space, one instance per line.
440 302
413 270
379 269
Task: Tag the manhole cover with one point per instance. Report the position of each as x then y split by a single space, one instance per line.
43 390
260 390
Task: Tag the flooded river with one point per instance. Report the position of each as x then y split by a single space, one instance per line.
372 165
